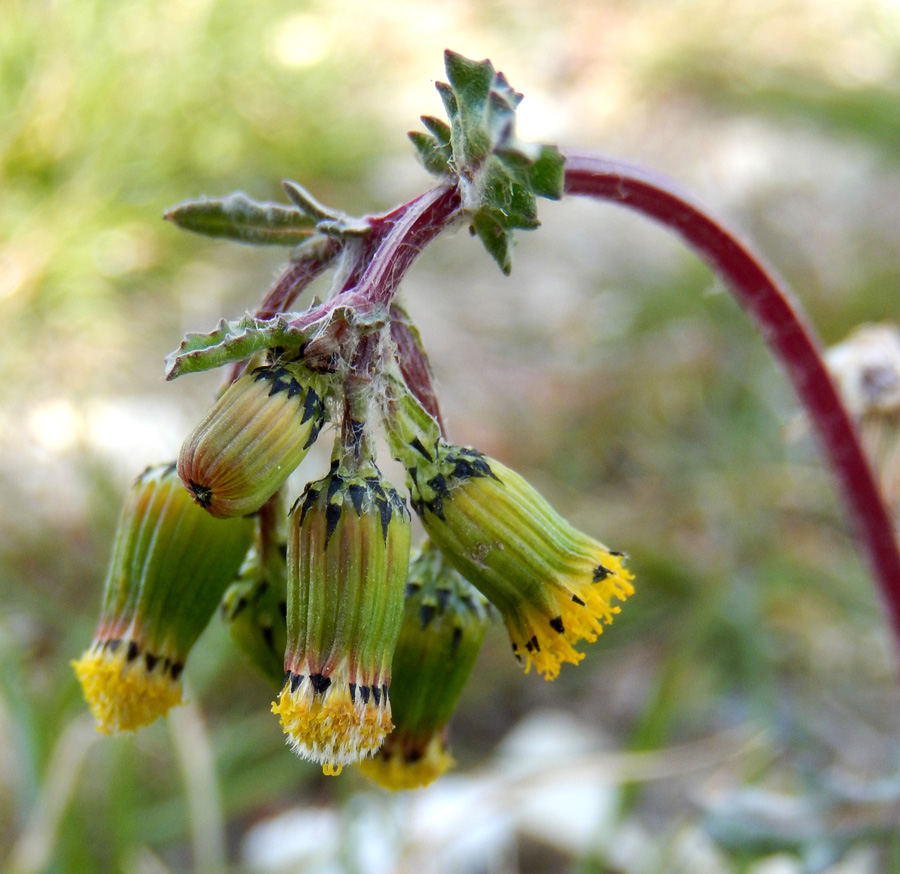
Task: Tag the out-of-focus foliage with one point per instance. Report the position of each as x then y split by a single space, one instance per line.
742 713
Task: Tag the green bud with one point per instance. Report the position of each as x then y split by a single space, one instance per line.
348 556
255 610
171 562
444 623
252 439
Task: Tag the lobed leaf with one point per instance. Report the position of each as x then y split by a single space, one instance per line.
232 341
500 177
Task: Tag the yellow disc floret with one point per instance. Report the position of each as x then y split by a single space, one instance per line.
583 602
397 768
331 720
124 688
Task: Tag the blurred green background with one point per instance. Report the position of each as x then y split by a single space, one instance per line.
743 713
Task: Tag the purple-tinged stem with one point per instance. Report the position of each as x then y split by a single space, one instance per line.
414 367
784 328
287 289
397 239
416 226
294 280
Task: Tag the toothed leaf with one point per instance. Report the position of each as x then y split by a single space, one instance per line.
488 224
499 176
547 173
230 342
511 200
438 128
471 80
448 98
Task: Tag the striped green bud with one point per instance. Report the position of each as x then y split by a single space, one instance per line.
255 610
253 438
444 623
170 564
553 585
348 556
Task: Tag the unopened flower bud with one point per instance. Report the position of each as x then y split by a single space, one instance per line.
348 556
255 610
444 622
171 562
553 585
252 439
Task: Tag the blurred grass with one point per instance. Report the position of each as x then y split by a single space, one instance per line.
611 370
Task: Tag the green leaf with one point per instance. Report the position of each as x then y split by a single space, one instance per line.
230 342
489 225
500 119
238 217
439 129
331 222
547 174
306 203
522 210
471 80
510 199
234 341
433 156
471 83
448 98
499 176
502 87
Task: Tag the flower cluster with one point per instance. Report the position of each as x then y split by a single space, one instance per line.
369 647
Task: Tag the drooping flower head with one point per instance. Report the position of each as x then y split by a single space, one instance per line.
253 438
553 585
444 622
348 556
171 562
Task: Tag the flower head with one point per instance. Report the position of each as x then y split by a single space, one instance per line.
253 438
444 622
255 610
170 565
348 555
554 585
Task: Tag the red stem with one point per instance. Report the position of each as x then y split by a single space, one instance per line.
784 328
416 226
287 289
294 280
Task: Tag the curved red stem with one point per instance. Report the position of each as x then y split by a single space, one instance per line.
784 328
410 230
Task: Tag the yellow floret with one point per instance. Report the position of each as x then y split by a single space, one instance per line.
122 693
393 768
332 727
582 602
